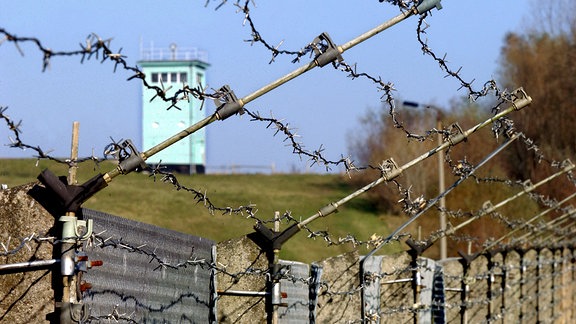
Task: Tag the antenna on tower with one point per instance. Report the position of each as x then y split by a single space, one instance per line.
173 48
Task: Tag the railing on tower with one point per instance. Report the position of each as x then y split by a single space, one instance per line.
172 53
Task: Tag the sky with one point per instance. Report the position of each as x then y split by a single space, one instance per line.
324 105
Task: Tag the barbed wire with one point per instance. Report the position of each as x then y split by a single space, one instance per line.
488 88
95 45
23 243
202 197
16 142
327 289
315 157
115 315
470 303
410 206
102 241
98 48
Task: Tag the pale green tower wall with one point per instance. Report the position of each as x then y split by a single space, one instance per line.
160 123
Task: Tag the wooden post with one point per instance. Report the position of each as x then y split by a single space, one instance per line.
74 154
67 249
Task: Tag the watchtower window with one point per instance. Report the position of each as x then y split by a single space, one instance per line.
183 77
174 77
199 77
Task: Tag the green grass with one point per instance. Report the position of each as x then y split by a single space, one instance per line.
137 196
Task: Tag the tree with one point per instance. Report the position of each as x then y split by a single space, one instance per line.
382 140
542 61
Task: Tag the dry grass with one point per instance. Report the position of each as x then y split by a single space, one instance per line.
137 196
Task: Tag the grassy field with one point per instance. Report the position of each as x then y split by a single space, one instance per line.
137 196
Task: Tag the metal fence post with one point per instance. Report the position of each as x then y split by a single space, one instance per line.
466 260
521 288
73 231
314 289
370 274
295 288
539 274
416 250
572 288
504 282
438 295
213 317
432 293
489 292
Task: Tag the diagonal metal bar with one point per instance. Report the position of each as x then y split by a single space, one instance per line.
530 221
491 209
28 265
552 226
443 194
522 101
558 235
168 142
421 8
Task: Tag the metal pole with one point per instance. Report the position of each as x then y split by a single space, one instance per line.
529 222
441 186
175 138
433 201
429 4
553 226
341 49
28 265
521 193
275 289
522 101
442 203
423 7
242 293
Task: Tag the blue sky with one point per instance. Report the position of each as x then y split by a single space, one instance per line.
323 105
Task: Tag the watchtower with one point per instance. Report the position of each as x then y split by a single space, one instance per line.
171 68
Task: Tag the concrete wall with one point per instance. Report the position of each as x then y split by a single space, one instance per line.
25 297
503 287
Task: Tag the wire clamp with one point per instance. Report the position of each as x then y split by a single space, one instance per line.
228 104
522 99
74 229
456 134
129 158
325 50
567 165
427 5
387 167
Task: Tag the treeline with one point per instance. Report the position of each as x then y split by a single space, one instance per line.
541 60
